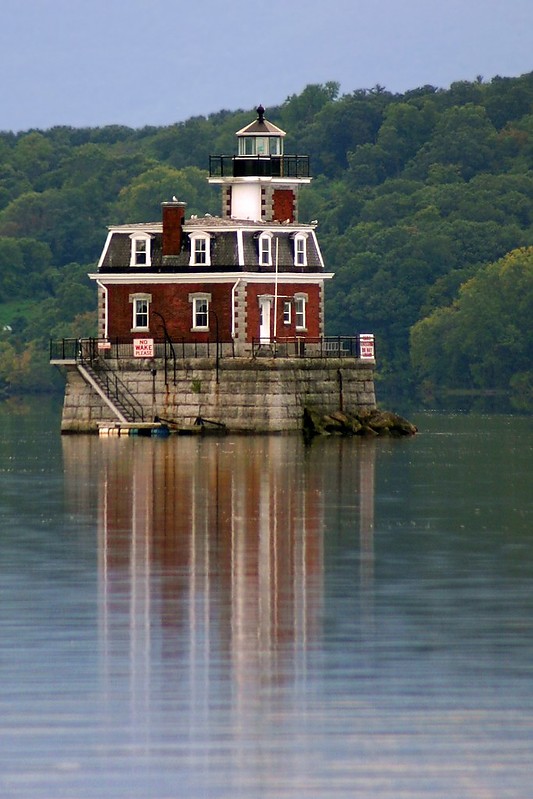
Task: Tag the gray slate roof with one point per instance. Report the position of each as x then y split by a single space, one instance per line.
223 247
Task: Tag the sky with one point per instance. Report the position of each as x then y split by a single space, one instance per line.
87 63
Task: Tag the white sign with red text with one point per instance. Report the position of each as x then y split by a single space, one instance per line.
143 348
366 346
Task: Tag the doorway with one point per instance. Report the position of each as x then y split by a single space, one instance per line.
265 305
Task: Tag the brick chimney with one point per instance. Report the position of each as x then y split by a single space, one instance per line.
173 216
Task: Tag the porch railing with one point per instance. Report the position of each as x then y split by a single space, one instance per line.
65 350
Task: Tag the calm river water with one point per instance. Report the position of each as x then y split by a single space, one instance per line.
257 619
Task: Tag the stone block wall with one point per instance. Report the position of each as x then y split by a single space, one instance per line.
83 408
244 394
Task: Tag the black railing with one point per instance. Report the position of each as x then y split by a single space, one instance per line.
309 347
115 389
91 350
65 349
263 166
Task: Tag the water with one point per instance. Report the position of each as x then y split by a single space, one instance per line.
251 617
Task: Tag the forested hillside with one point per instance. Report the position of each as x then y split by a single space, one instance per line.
418 195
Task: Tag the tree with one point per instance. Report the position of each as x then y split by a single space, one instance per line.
299 110
141 199
463 137
484 338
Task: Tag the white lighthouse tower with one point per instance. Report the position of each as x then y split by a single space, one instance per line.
261 183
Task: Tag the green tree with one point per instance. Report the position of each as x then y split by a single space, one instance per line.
141 199
484 338
463 137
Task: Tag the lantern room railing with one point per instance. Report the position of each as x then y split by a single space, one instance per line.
263 166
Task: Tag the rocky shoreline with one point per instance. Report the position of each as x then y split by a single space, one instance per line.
364 423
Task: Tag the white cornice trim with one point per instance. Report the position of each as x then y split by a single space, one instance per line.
257 179
210 277
104 251
317 247
240 247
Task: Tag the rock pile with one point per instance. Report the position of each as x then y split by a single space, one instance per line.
369 423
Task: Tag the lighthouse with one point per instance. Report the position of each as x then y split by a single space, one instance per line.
253 275
260 183
218 317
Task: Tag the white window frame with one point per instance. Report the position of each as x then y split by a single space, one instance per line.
300 249
260 145
265 249
274 145
300 311
247 145
195 239
136 300
146 240
287 312
197 301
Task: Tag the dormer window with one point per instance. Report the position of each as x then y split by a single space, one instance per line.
200 249
300 249
141 254
265 249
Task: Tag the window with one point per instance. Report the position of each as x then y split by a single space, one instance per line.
300 301
275 145
140 250
300 249
200 311
141 311
265 249
247 146
287 312
260 145
200 250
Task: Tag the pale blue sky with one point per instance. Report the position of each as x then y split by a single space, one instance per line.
154 62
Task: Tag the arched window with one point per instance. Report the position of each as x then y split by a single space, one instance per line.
300 249
265 249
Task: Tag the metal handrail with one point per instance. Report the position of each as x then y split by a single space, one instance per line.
168 341
279 346
308 346
115 388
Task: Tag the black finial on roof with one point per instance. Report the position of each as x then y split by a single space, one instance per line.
260 113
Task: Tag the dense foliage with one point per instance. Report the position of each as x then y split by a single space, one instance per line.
416 195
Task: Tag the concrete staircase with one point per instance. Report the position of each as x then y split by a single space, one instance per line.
112 390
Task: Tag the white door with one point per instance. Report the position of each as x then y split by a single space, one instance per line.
264 320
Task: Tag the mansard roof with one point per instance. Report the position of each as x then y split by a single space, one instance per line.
226 252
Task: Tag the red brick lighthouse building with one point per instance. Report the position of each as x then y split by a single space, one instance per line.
217 320
254 274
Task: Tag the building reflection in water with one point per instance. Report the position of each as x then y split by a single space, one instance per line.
211 557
